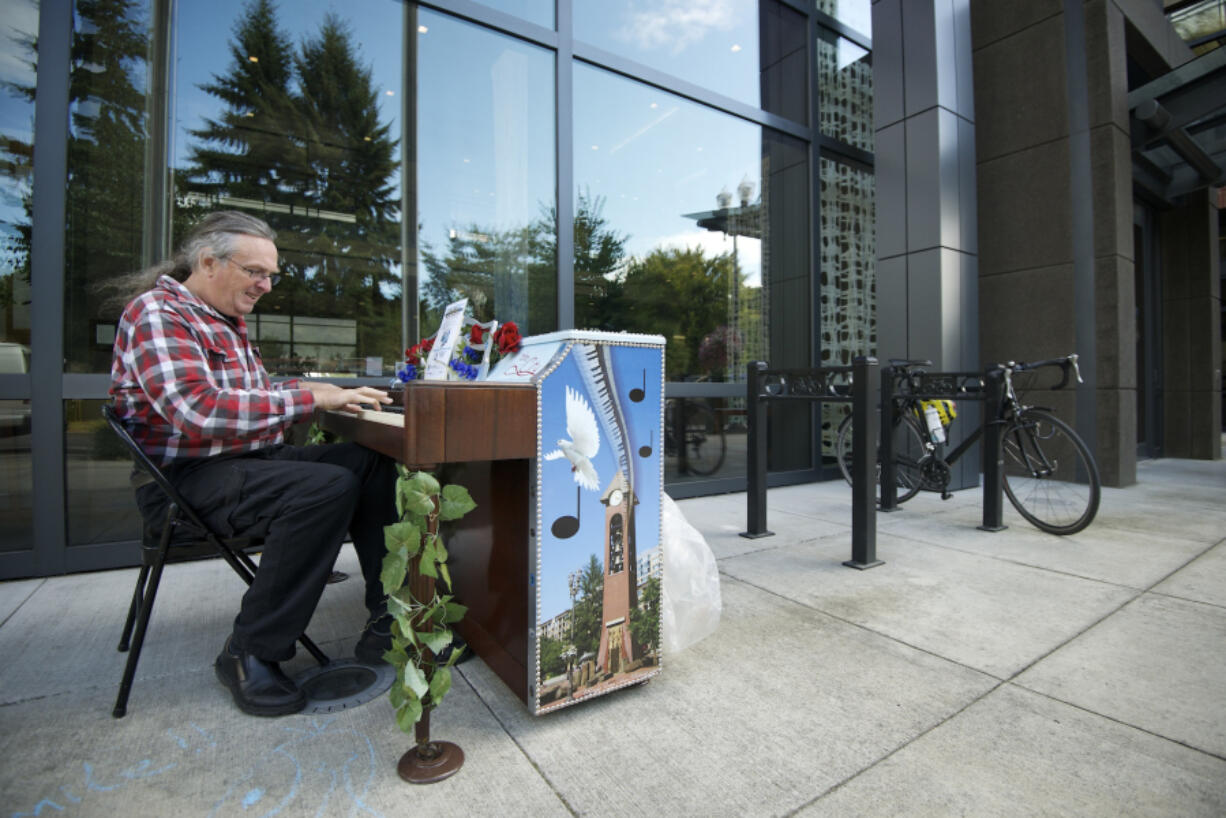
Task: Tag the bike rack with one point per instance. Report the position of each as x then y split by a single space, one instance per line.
981 386
821 385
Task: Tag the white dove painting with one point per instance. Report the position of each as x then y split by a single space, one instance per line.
584 440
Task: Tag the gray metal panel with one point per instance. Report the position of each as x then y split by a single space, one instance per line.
919 56
967 189
944 33
888 76
924 305
47 284
891 199
950 315
923 182
949 166
892 308
965 60
969 312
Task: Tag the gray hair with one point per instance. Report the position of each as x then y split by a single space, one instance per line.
215 233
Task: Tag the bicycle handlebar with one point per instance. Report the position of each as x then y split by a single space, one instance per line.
1066 363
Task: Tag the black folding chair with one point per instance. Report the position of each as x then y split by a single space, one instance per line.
183 536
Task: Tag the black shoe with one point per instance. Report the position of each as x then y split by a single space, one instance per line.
259 688
375 640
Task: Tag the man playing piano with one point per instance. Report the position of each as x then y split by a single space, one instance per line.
192 390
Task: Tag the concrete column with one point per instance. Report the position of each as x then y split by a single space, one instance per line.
1055 207
927 239
1191 312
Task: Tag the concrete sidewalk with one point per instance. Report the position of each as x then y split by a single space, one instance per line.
1010 673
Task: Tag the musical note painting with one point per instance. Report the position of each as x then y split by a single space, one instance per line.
600 478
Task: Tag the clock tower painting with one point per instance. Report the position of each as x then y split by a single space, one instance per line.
596 495
617 649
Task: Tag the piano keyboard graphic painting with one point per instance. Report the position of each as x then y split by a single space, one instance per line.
599 480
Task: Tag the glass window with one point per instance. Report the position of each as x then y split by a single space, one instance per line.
691 224
486 178
101 504
17 79
849 274
540 12
17 83
845 86
857 14
294 115
750 51
107 141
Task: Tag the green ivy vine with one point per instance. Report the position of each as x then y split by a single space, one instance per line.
421 630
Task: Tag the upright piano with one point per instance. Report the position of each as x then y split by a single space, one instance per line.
561 562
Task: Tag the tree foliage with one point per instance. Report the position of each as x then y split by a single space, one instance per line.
589 608
300 138
645 629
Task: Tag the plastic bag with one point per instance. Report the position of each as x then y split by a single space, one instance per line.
691 599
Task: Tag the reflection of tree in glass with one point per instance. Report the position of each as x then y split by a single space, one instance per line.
16 171
300 139
490 268
681 294
106 149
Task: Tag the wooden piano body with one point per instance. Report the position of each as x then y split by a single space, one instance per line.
560 563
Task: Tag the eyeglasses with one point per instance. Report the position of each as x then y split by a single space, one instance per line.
258 276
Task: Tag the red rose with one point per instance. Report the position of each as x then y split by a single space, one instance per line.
477 334
427 345
508 338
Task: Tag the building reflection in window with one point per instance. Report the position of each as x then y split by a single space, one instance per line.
845 83
692 224
486 185
857 14
848 280
753 52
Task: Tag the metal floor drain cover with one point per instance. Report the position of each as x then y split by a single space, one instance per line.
343 683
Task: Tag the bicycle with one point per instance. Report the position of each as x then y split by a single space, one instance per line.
1049 474
705 444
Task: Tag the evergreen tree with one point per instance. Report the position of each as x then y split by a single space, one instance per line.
254 149
589 608
645 628
106 165
300 137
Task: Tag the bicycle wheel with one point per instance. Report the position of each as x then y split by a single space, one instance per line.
705 444
908 451
1050 476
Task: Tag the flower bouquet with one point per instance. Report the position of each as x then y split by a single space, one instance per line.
484 345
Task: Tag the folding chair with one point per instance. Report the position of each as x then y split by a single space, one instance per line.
183 536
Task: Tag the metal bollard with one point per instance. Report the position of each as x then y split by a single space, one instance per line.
755 494
993 456
863 473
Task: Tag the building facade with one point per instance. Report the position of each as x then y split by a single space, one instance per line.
796 182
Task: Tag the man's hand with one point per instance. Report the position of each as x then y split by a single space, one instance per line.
331 396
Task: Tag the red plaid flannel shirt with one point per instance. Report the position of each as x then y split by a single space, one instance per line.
188 383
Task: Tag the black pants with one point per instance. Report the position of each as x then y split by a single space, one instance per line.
302 500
